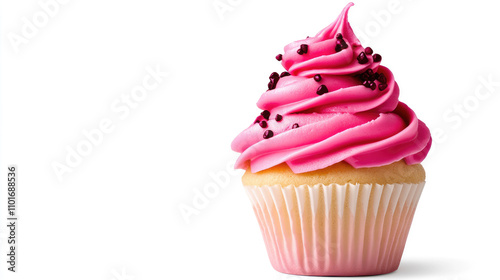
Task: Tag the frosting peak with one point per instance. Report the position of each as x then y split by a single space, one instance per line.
320 59
335 103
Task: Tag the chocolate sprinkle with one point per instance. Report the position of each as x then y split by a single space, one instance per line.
295 125
317 77
304 48
338 48
373 86
274 77
377 57
322 89
362 59
339 36
263 124
365 77
271 85
366 83
368 75
343 44
382 86
299 51
382 79
265 114
268 134
284 74
278 117
368 51
279 57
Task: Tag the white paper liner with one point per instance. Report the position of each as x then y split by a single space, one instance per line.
336 230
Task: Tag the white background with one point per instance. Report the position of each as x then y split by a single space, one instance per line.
116 214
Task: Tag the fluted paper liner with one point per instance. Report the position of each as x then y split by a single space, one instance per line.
335 230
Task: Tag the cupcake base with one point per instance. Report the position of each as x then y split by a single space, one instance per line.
335 230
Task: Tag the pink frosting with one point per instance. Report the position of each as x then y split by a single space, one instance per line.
350 122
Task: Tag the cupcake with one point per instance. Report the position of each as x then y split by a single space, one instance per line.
333 161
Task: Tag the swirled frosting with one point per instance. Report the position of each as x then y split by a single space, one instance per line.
336 103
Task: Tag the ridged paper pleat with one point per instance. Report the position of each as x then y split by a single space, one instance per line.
341 230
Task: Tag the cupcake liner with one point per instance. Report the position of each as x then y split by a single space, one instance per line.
335 230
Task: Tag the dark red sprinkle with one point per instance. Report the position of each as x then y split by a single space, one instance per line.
317 77
274 77
366 83
322 89
279 57
278 117
265 114
256 120
382 86
299 51
263 124
362 59
268 134
295 125
368 75
368 51
376 76
304 48
377 57
284 74
339 36
364 76
338 48
382 79
373 86
272 84
343 44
